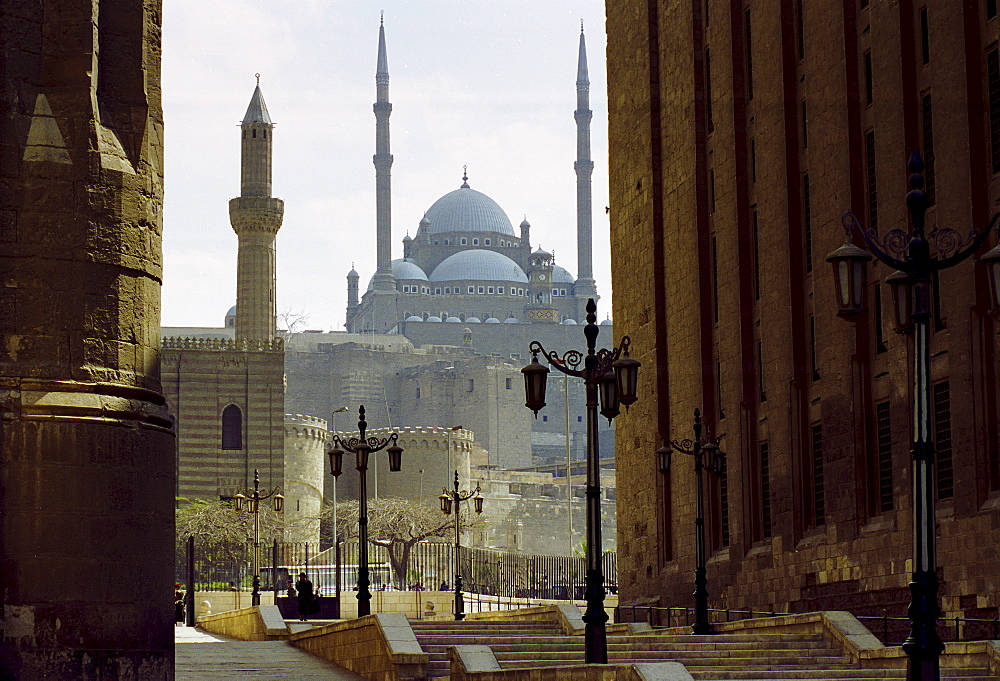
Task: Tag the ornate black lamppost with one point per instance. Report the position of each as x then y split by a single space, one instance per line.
361 447
456 497
612 375
707 455
910 254
253 497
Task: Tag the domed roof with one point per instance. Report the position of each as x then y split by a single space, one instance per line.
570 322
473 320
414 318
510 320
561 275
433 318
607 322
478 265
232 312
491 320
403 269
466 210
454 320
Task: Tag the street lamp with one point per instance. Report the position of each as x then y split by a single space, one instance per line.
336 531
361 447
910 254
707 455
253 497
456 497
612 375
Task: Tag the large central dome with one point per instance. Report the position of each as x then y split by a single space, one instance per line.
466 210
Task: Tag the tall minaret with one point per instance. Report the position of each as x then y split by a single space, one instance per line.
383 280
585 286
256 218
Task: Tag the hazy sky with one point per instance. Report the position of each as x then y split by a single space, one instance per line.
488 84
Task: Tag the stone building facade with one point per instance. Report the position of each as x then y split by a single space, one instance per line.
86 445
739 134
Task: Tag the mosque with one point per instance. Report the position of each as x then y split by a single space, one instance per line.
433 348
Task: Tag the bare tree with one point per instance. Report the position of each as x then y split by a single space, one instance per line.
292 320
398 525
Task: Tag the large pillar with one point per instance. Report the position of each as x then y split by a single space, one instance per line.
86 448
256 218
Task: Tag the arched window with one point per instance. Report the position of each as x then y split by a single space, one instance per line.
232 427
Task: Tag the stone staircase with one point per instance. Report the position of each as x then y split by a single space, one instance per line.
729 656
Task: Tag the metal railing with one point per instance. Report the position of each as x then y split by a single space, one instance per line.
891 631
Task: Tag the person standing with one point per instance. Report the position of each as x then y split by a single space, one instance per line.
304 588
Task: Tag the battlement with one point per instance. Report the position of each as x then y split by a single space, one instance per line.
221 344
302 425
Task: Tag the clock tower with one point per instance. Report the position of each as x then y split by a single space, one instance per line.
540 308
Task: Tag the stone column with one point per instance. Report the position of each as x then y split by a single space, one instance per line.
86 447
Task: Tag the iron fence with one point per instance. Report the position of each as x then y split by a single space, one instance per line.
506 575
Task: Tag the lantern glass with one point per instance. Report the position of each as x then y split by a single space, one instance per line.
238 500
279 503
608 389
663 456
535 376
479 504
445 504
253 505
992 261
627 377
395 457
902 304
336 462
362 458
850 274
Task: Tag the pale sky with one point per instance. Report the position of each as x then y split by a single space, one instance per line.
488 84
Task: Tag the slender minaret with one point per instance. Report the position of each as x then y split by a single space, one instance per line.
383 280
585 286
352 293
256 218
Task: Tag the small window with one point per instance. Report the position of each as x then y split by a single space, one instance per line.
472 384
475 242
464 241
500 290
232 427
447 290
437 290
254 134
480 290
445 243
418 392
490 290
509 382
579 419
472 289
487 242
545 417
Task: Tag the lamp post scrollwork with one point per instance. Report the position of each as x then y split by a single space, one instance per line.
362 446
916 266
251 500
610 378
455 498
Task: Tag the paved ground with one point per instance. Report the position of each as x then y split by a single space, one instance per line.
204 657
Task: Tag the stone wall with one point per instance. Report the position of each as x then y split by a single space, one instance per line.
306 467
730 167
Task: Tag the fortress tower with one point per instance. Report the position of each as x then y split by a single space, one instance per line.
256 218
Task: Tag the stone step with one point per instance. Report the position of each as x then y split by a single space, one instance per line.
738 665
702 674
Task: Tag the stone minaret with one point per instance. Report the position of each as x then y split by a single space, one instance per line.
383 280
352 293
585 286
256 219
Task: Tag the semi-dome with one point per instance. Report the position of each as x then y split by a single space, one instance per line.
466 210
403 269
478 265
561 275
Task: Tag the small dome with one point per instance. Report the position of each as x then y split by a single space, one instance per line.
232 312
491 320
569 322
478 265
561 275
607 322
353 274
407 239
510 320
539 251
433 318
473 320
403 268
453 320
466 210
414 318
525 223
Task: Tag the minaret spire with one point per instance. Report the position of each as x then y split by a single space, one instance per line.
383 280
585 286
256 218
